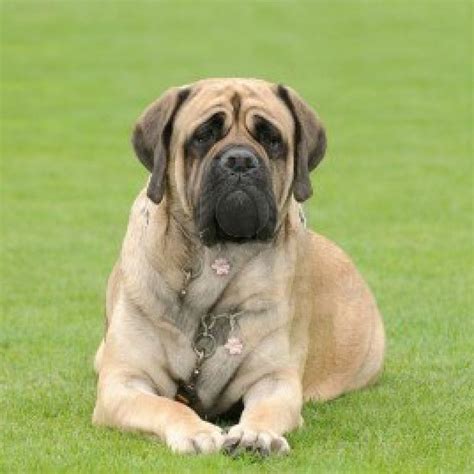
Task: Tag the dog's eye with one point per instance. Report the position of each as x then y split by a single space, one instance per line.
202 137
208 132
268 136
273 141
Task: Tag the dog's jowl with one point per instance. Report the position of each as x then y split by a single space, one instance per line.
221 296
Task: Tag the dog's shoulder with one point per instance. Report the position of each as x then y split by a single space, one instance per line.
324 260
147 224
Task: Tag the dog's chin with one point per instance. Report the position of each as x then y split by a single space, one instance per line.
240 215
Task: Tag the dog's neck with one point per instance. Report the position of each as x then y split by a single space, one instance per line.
175 248
171 237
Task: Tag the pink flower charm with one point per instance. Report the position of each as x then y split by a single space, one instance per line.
221 266
234 346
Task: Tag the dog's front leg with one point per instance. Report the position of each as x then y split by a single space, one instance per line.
272 407
127 401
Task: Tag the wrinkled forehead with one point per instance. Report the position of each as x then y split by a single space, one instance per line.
238 98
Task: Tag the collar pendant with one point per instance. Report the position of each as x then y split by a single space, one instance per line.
234 346
221 266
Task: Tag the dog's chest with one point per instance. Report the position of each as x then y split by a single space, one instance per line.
205 319
202 363
203 283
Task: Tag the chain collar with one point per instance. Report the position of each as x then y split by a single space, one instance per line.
220 265
190 274
204 345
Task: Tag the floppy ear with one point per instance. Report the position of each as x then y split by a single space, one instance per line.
310 142
152 135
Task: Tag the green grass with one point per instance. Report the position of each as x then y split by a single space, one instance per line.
391 81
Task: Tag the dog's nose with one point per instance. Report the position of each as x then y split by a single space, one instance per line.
238 159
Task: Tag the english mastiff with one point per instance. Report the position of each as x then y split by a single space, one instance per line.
221 296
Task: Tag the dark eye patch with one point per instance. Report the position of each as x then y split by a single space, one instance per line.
269 137
208 133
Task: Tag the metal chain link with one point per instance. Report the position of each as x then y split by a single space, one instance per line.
207 323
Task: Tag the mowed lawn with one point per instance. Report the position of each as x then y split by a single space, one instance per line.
391 81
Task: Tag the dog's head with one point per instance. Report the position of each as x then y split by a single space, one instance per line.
230 153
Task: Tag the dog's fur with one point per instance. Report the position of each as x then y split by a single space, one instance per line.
309 325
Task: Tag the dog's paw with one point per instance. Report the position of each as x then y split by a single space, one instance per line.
202 438
264 442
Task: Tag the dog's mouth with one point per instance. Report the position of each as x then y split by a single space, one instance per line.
242 214
237 211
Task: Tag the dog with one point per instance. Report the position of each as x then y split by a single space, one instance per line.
221 297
